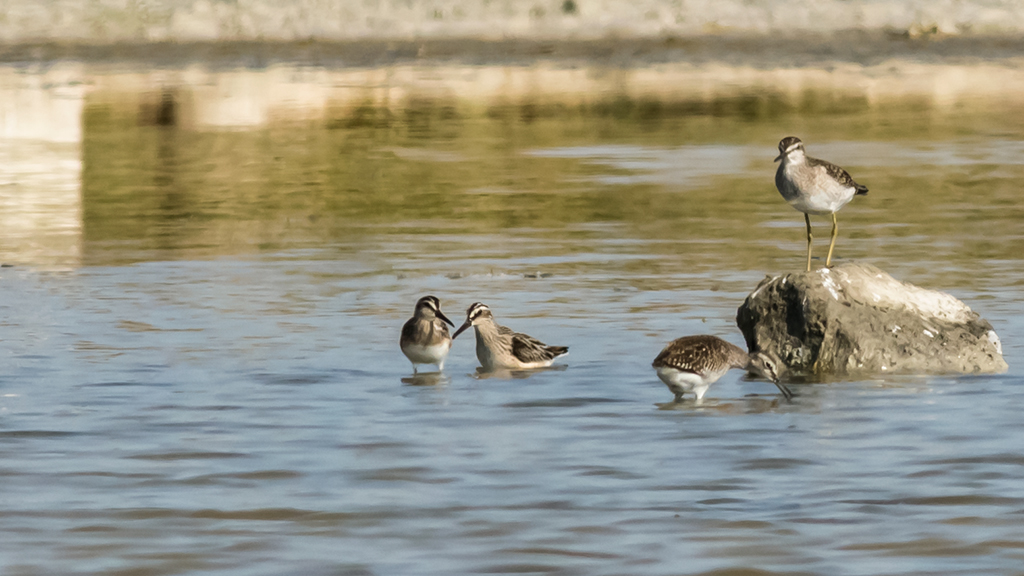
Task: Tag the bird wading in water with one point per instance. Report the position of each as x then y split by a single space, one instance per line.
425 338
501 347
694 363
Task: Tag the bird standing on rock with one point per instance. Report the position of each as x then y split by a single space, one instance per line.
813 186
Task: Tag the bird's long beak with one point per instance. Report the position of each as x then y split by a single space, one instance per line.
785 391
445 318
461 329
779 157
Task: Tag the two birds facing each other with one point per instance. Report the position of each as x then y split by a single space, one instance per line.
425 340
689 364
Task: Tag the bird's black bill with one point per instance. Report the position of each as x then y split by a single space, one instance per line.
461 329
785 391
779 157
445 318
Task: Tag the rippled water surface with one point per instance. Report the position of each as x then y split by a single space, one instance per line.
202 375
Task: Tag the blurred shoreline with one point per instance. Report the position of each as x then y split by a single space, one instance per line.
794 49
251 84
135 21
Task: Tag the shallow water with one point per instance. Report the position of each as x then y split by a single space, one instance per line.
202 372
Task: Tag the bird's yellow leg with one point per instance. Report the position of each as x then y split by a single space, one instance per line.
807 219
832 244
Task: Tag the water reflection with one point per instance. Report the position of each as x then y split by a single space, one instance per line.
201 162
291 188
427 379
509 374
40 165
749 404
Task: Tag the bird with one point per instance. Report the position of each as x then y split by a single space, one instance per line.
813 186
500 347
694 363
425 338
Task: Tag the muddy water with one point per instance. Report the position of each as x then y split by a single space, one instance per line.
202 372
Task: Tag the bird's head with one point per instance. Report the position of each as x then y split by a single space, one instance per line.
429 307
789 146
475 314
769 367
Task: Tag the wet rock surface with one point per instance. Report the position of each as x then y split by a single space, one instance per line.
855 318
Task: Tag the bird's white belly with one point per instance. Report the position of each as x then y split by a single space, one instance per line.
432 354
679 381
818 205
673 378
541 364
827 197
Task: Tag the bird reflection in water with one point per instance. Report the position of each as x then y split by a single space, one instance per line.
427 379
750 404
514 374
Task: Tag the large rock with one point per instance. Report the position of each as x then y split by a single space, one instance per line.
854 318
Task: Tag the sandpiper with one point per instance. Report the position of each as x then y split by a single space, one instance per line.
425 338
694 363
500 347
813 186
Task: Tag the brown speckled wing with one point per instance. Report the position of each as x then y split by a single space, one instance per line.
528 349
698 354
840 175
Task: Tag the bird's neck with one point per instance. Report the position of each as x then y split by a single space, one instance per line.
739 358
486 332
796 158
